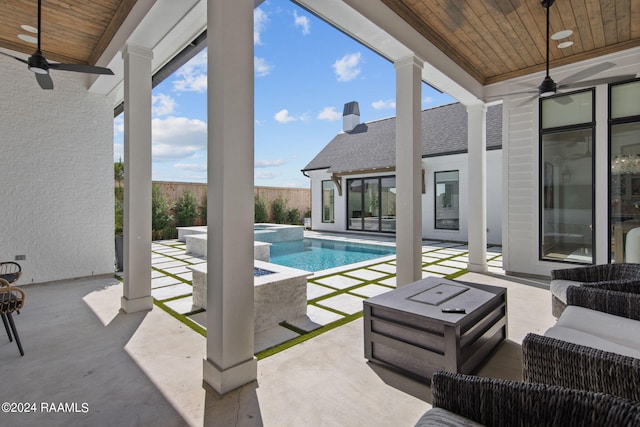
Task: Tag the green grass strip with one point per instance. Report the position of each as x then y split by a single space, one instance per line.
302 338
181 318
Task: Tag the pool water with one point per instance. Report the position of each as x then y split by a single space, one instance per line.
316 254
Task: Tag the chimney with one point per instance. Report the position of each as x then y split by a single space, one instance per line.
350 116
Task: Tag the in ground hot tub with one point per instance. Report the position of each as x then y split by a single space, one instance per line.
280 293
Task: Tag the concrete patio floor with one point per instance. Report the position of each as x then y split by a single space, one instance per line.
111 368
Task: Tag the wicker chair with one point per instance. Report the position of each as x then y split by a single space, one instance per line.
10 271
462 400
11 299
553 361
561 280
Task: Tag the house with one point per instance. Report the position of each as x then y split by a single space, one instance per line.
353 178
561 202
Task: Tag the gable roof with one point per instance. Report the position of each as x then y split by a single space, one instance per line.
371 145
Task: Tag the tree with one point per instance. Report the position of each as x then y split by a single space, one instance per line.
118 172
160 217
186 210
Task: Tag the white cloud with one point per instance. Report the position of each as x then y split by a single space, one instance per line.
194 167
162 104
260 19
177 137
283 116
427 100
348 67
265 175
382 104
118 125
302 22
329 114
261 67
269 163
192 76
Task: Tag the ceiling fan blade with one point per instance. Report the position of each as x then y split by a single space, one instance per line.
81 68
587 72
44 80
14 57
596 82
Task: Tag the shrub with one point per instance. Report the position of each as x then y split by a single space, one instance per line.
119 209
260 210
160 217
293 216
279 210
203 210
186 210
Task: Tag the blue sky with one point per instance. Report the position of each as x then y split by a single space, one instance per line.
305 71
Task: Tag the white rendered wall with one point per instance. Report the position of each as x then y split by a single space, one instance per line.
56 179
494 197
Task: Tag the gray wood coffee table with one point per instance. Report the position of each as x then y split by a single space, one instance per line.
406 328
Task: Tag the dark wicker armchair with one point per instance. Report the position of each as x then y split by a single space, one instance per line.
596 275
494 402
553 361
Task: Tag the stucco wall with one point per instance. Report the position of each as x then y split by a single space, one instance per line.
57 176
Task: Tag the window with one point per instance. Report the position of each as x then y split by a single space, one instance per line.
447 200
566 177
328 201
624 170
371 204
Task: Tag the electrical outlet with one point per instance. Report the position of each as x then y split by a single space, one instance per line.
21 257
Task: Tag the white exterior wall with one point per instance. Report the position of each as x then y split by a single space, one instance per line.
520 157
57 176
430 165
494 198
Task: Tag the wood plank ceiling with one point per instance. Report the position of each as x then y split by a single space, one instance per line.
73 31
493 40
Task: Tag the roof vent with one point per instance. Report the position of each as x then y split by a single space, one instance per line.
350 116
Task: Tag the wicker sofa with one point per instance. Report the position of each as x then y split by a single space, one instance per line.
594 346
561 280
462 400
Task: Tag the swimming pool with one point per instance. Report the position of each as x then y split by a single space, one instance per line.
317 254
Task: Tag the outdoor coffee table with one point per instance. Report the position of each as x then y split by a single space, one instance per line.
406 328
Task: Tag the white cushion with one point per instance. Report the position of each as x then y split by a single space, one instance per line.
599 330
588 340
559 288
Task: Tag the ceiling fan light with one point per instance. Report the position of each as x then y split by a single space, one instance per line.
547 87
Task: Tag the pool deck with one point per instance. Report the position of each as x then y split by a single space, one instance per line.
334 296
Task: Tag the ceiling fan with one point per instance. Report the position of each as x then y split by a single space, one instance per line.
40 66
549 87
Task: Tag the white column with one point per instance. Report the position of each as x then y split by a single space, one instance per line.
408 170
230 362
477 199
137 179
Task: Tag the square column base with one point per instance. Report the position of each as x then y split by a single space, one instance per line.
477 268
137 304
229 379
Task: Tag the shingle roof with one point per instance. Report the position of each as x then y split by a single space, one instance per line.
372 145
